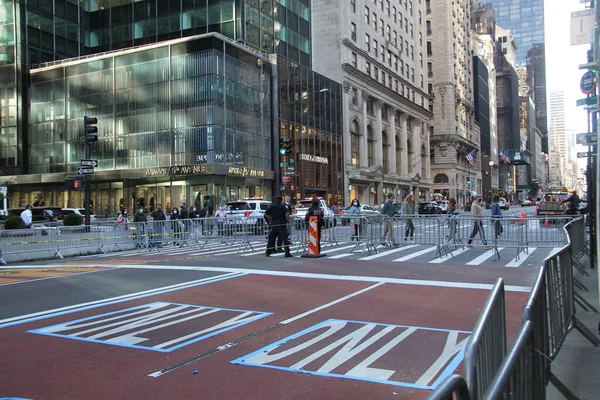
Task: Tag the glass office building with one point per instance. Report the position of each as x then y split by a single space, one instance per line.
310 115
525 19
177 120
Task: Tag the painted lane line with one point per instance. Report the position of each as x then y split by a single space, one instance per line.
417 254
55 277
479 260
22 319
329 250
314 310
340 256
260 332
353 278
385 253
517 263
450 256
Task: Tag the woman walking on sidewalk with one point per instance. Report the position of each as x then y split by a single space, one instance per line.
496 217
476 212
408 211
355 211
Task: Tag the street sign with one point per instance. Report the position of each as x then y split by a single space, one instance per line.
588 101
587 139
587 83
582 26
3 190
286 179
289 173
89 163
584 154
85 171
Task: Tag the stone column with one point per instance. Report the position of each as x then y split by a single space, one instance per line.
363 136
416 161
378 156
347 139
392 143
404 143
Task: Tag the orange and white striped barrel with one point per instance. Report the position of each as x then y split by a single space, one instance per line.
313 237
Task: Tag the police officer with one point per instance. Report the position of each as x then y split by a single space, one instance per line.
277 215
316 211
286 202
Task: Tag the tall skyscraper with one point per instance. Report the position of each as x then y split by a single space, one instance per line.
558 141
525 19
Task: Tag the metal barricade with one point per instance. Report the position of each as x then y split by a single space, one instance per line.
22 241
516 376
73 237
486 347
453 387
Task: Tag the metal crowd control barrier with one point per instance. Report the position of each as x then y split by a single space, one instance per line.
453 387
486 347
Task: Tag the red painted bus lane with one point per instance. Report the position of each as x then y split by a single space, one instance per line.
341 339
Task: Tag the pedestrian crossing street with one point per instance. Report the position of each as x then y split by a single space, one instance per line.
533 256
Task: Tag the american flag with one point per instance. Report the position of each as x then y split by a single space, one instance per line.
471 157
504 156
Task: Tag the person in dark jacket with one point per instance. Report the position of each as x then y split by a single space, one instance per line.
286 202
175 225
496 217
573 203
159 225
316 211
278 216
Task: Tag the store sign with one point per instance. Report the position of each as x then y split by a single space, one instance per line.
241 171
316 159
178 170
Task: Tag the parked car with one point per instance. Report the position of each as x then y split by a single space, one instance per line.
47 216
80 212
430 207
503 204
248 214
443 205
303 205
526 203
365 210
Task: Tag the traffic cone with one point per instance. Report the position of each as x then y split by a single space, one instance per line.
547 223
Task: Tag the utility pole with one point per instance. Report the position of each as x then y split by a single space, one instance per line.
91 136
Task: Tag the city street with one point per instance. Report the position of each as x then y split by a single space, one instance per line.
277 328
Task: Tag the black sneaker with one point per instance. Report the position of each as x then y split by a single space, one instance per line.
288 255
268 254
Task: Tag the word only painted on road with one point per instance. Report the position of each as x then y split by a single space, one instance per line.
157 326
367 351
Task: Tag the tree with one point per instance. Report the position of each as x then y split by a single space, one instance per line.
534 187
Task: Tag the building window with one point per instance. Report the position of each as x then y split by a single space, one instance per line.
396 85
375 22
421 59
422 82
395 38
388 32
367 43
406 24
396 63
389 58
355 143
386 150
370 146
420 18
368 68
367 16
354 60
353 31
370 106
412 52
381 26
395 15
420 39
383 77
353 6
384 112
376 48
354 96
382 54
387 7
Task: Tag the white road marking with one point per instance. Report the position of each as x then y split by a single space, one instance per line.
453 254
355 278
385 253
331 303
340 256
51 277
522 257
479 260
417 254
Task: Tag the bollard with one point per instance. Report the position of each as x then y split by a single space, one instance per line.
313 239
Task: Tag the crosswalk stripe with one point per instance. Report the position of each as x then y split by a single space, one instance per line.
450 256
417 254
522 257
479 260
340 256
385 253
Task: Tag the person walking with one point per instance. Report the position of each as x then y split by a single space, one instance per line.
159 225
355 221
123 221
496 217
388 210
27 216
408 211
476 212
573 203
176 227
316 211
278 215
221 214
286 202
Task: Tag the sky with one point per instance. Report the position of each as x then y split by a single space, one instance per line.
562 61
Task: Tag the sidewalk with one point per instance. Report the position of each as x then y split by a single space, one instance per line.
577 364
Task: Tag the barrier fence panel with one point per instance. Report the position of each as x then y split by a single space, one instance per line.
515 379
28 241
486 347
453 387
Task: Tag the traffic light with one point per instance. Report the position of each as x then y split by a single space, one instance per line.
469 181
285 146
75 183
91 129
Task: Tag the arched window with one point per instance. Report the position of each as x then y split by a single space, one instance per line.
441 178
355 143
398 155
371 146
386 150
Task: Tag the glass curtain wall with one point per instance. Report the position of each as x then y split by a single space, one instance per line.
166 106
